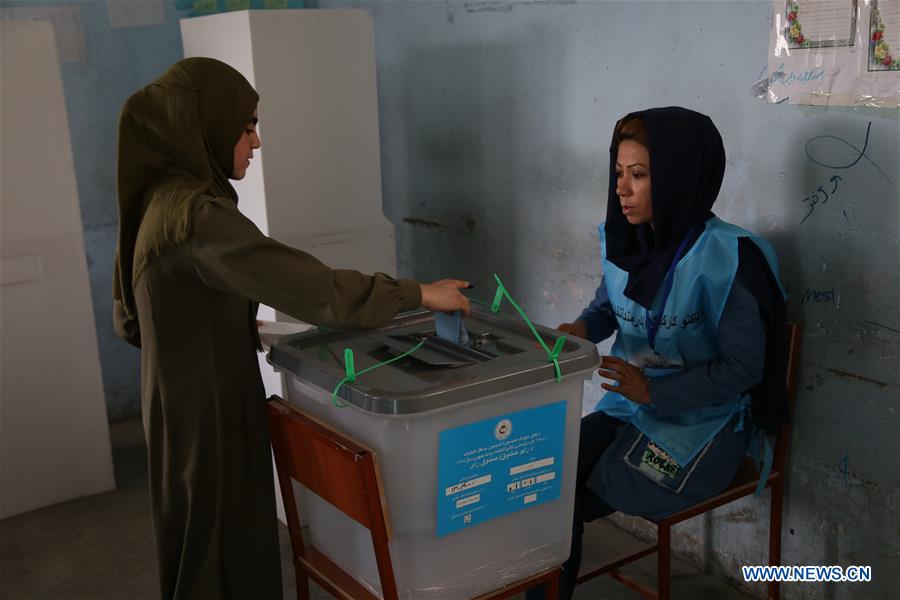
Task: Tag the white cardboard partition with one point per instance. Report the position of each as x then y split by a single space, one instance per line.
54 436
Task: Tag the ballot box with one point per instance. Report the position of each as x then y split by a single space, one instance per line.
477 447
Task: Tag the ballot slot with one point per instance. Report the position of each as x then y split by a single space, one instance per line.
438 352
434 351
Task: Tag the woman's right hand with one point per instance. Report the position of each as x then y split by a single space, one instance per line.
578 329
444 296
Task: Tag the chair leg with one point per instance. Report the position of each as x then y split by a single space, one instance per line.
664 562
775 533
302 582
551 586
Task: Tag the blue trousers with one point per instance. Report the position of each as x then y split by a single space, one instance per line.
598 430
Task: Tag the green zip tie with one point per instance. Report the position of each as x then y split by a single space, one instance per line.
350 369
352 375
348 364
498 297
552 355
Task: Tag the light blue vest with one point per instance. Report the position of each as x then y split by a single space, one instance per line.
686 336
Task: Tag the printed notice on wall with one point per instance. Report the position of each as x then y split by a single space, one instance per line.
499 466
835 52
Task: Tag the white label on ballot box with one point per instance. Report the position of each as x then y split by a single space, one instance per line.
501 465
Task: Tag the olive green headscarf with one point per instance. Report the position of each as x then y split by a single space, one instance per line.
176 142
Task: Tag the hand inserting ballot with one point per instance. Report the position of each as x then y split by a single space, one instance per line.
444 296
632 383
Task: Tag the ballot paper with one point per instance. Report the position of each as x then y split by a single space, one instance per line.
451 327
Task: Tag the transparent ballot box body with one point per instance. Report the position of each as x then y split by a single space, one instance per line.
477 448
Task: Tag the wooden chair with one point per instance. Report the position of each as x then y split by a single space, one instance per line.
345 474
744 484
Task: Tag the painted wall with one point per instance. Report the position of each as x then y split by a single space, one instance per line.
495 125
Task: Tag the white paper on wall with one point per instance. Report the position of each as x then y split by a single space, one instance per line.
835 52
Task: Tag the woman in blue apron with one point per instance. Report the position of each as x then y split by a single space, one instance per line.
698 363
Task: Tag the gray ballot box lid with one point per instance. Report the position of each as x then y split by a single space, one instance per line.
503 355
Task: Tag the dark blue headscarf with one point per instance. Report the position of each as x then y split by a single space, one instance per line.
687 164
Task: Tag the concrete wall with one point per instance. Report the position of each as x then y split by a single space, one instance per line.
495 124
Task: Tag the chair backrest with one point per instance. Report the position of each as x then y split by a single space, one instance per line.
792 332
335 467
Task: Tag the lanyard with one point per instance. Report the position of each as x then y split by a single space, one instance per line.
653 322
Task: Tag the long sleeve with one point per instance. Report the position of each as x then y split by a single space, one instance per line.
741 341
232 255
598 316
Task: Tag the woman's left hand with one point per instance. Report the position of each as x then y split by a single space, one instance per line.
632 383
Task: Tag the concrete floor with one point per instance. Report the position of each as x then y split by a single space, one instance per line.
101 547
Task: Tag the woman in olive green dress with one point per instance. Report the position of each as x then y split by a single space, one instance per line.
190 271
